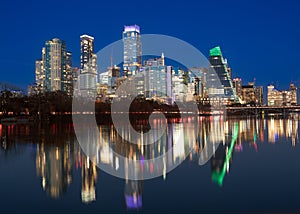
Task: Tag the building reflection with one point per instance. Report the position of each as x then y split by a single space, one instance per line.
88 180
217 163
212 131
53 165
58 155
251 132
54 157
133 194
220 161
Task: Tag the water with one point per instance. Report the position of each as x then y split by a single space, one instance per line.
43 169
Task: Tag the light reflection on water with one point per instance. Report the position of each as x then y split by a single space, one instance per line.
58 157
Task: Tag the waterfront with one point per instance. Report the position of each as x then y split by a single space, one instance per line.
44 170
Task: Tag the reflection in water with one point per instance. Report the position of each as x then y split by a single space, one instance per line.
133 194
89 177
58 154
53 165
221 159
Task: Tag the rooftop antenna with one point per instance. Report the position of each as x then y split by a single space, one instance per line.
163 58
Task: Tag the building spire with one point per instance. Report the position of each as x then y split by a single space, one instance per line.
163 59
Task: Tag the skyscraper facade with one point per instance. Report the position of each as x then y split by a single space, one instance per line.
68 76
220 66
132 50
88 78
55 64
39 74
158 81
237 85
282 98
86 50
259 95
179 84
113 73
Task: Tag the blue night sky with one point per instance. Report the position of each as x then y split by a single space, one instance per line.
260 39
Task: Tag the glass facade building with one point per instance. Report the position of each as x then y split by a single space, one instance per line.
39 74
55 64
67 83
220 66
132 50
88 77
86 50
158 81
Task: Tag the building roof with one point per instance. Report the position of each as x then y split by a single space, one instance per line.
132 28
86 36
216 51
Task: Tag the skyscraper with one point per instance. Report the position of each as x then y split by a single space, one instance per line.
68 77
88 77
220 66
157 83
259 95
237 85
55 64
39 74
113 73
86 49
132 50
179 84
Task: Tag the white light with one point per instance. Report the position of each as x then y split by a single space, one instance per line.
86 36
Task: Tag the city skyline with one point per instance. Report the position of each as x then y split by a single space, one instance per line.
140 62
249 41
199 83
150 106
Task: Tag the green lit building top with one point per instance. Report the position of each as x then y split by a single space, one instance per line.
219 66
216 51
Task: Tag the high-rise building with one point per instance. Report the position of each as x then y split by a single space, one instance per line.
282 98
104 78
237 85
248 94
179 84
53 72
86 49
75 75
88 78
274 96
55 64
68 76
197 76
220 66
39 74
259 95
113 73
132 50
157 82
293 91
